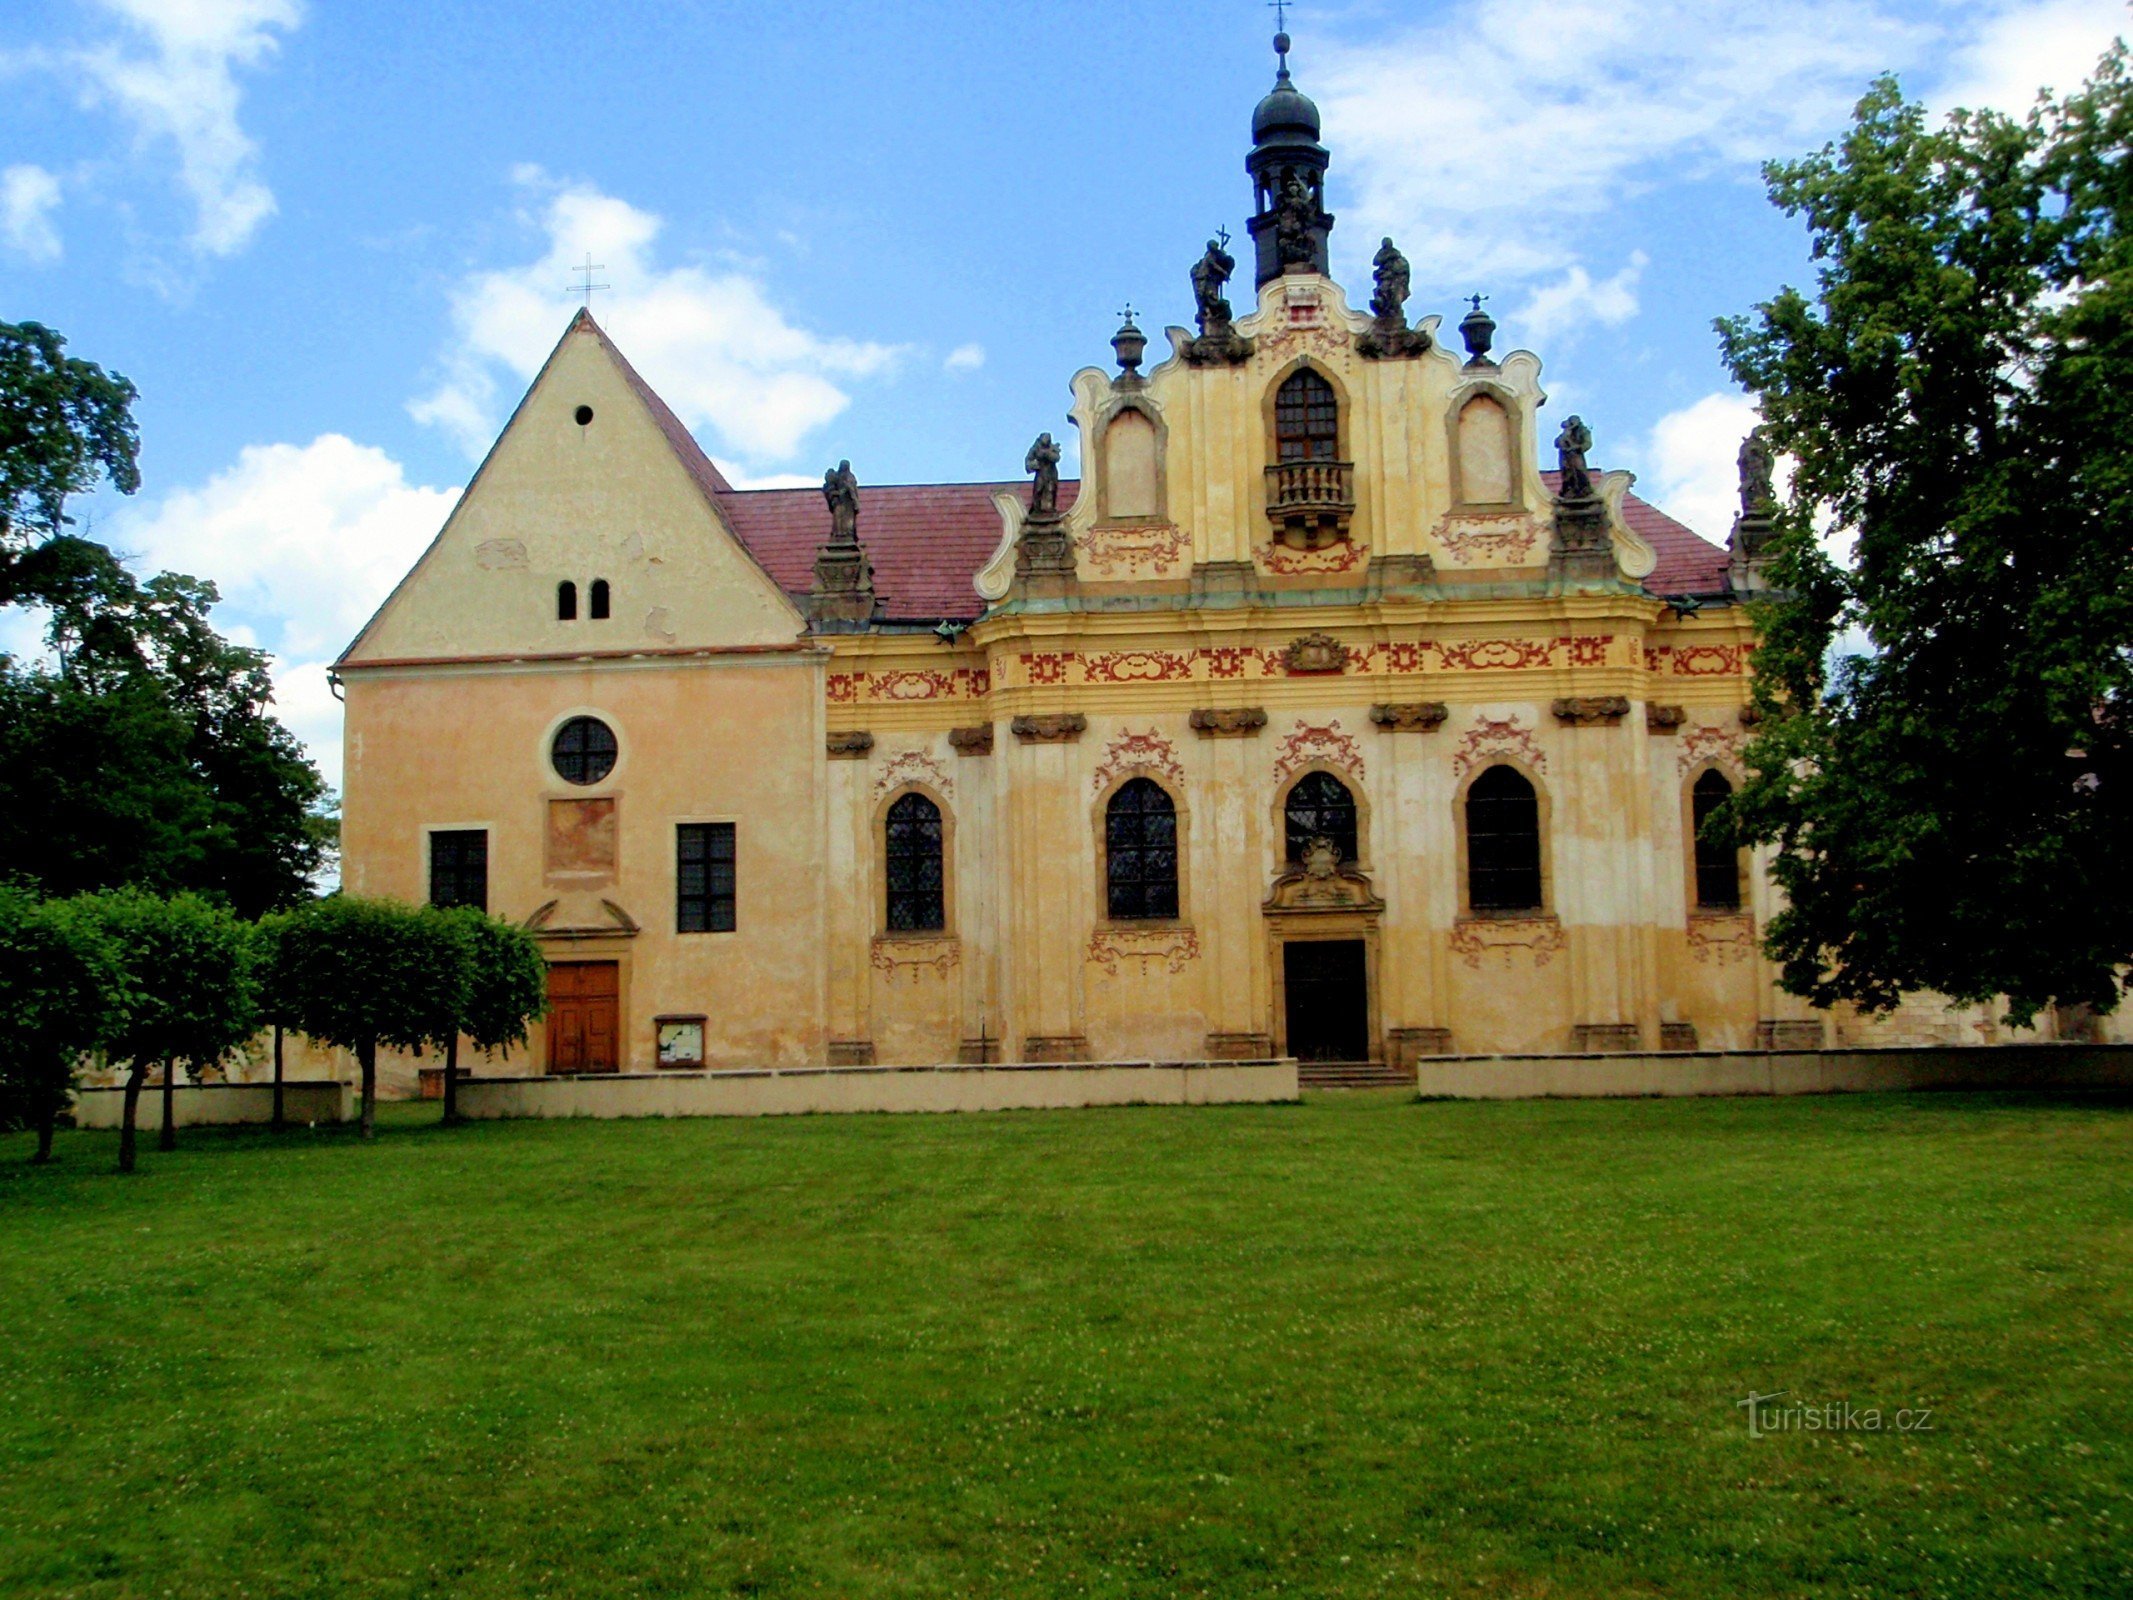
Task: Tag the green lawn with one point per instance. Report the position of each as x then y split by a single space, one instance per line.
1358 1347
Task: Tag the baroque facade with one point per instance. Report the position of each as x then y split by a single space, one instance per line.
1316 718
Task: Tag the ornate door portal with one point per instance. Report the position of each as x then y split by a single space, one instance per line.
1327 994
584 1016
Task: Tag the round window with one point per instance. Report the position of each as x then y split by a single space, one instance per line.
584 750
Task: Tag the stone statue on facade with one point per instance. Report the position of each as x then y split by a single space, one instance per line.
1757 494
841 489
1209 274
1756 525
1388 302
1296 215
1389 334
1571 447
1043 461
1219 341
1581 548
842 599
1044 551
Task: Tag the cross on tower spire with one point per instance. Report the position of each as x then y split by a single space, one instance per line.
586 272
1280 8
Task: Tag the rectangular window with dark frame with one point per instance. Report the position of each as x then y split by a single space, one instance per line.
703 877
459 867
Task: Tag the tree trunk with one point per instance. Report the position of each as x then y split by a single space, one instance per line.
169 1139
44 1136
136 1075
277 1078
451 1081
367 1054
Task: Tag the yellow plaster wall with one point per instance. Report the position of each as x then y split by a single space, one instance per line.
735 738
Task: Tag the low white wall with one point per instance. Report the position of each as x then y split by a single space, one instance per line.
1704 1072
792 1091
215 1105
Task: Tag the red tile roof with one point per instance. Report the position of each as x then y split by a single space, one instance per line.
927 541
1688 562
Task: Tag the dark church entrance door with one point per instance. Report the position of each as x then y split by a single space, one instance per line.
1328 999
584 1016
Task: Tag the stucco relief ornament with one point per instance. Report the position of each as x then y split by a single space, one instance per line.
1706 744
1309 744
1723 941
915 957
1495 739
1137 752
1315 653
913 766
1507 938
1148 549
1171 948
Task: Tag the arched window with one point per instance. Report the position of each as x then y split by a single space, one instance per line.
597 610
1141 851
1307 418
566 601
1320 806
914 860
1503 850
1717 862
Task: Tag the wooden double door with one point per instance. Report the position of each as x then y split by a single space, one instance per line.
584 1016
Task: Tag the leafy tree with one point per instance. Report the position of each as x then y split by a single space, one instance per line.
189 979
62 996
1953 810
506 987
65 425
149 756
359 973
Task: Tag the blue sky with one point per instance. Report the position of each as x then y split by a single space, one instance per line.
329 240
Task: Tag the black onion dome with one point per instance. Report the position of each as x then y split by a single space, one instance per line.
1285 116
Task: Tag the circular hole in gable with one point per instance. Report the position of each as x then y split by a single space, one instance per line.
585 415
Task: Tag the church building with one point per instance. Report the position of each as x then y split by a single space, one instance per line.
1325 716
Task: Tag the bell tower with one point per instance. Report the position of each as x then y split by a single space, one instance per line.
1288 167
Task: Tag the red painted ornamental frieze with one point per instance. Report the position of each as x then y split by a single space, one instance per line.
905 684
1697 660
1395 658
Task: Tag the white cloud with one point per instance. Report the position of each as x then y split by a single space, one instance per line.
965 358
1694 456
28 197
741 478
174 77
1491 139
304 542
1575 299
2054 44
710 342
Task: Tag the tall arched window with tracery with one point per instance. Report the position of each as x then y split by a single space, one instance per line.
1141 851
1503 849
1320 806
1307 418
1717 862
915 876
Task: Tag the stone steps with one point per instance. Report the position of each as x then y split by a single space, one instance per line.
1353 1075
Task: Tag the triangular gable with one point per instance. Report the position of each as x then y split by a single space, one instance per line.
627 497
